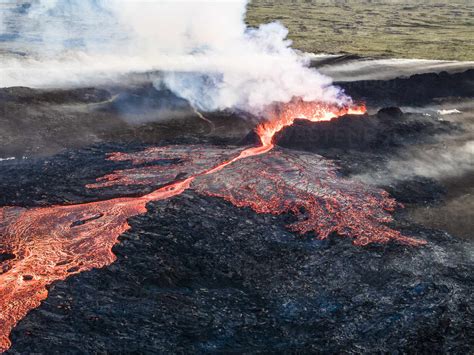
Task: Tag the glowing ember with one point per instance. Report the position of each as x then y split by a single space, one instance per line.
54 242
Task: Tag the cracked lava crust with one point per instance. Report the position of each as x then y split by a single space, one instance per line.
47 244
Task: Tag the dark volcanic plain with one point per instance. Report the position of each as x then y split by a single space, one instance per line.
196 274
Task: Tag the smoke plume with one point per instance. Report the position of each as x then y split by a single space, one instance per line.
201 50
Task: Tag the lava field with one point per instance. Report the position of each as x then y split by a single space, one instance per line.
215 232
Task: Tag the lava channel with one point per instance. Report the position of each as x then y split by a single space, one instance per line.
47 244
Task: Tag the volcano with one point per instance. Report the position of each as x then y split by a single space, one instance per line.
174 180
288 182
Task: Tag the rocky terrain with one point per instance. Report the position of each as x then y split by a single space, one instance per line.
196 274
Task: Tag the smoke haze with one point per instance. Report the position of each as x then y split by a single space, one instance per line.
201 50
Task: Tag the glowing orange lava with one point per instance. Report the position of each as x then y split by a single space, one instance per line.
52 243
285 115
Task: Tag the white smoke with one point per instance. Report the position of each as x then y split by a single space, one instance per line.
201 50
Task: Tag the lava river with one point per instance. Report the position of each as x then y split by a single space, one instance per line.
45 244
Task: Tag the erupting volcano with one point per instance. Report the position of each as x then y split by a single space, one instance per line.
46 244
228 176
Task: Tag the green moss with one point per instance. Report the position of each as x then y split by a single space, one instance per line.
402 29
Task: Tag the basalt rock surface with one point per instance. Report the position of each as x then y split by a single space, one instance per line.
196 275
25 95
415 90
387 130
36 122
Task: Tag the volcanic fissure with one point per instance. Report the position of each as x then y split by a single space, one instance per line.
46 244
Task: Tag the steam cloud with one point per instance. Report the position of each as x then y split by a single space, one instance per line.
201 50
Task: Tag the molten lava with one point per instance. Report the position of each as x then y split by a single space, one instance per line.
52 243
283 116
308 187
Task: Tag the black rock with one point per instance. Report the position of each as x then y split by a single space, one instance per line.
197 275
146 98
419 89
394 112
417 189
386 130
6 256
26 95
252 138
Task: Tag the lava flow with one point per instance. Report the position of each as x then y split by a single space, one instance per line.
283 116
51 243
